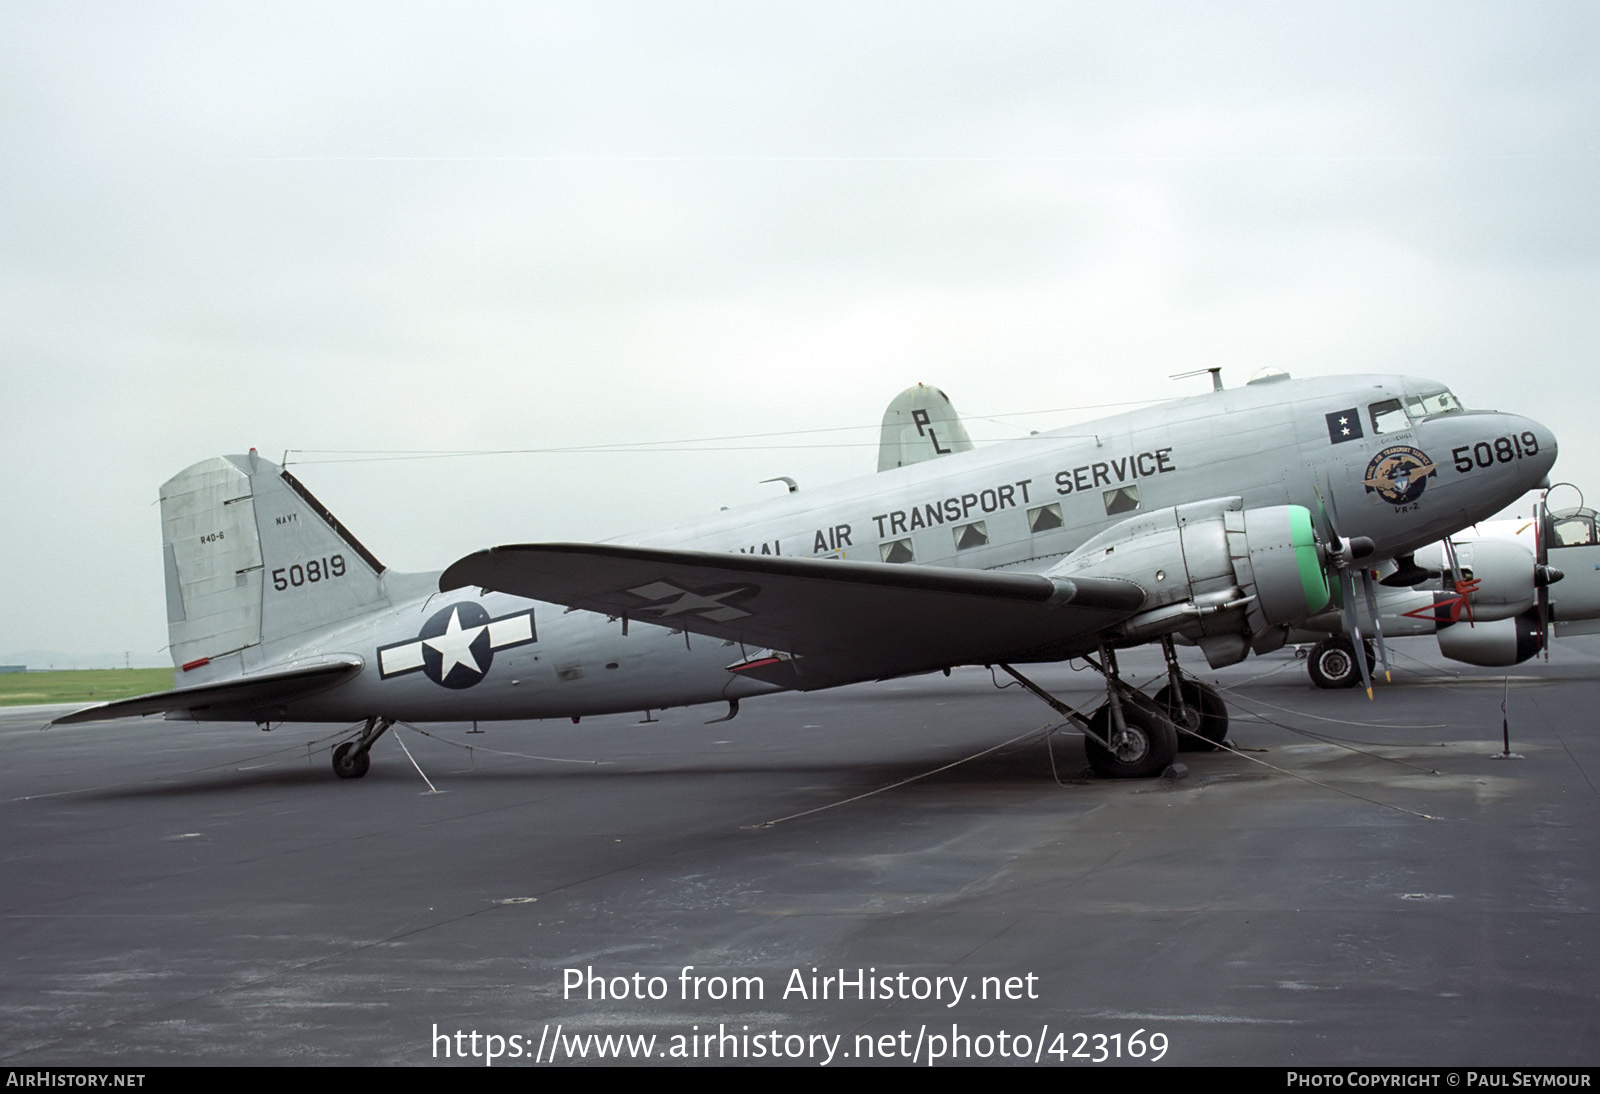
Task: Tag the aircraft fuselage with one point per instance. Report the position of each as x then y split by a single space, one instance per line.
1343 445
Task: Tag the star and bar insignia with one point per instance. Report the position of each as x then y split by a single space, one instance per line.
456 646
713 604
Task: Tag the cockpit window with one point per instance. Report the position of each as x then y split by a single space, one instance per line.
1437 402
1576 531
1392 416
1388 417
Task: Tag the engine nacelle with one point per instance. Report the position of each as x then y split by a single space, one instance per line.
1494 644
1227 578
1503 569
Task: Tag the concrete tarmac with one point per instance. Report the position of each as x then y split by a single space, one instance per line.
1388 891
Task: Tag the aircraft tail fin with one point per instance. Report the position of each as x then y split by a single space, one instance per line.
252 557
919 425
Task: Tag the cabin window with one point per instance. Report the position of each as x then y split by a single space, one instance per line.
1046 518
970 535
1388 417
897 550
1124 499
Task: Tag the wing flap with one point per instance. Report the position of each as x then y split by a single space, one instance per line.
861 620
238 697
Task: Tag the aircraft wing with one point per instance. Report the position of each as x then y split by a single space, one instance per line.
262 691
847 621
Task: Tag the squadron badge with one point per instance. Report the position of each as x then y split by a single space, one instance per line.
1398 474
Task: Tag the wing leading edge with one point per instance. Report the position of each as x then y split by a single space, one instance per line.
848 621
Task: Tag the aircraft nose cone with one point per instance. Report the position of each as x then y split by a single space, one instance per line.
1546 438
1547 443
1542 451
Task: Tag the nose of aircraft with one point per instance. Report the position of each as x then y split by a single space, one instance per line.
1543 450
1497 456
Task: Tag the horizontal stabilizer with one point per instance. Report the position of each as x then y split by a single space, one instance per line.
263 691
857 620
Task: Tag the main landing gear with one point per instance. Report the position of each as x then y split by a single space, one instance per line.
350 760
1197 711
1332 662
1131 735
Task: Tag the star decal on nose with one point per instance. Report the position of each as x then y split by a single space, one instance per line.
456 646
1344 425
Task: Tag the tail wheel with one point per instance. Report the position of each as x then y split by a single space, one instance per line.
1197 712
1332 663
1146 750
349 763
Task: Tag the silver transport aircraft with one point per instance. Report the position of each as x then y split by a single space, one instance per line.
1219 521
1487 597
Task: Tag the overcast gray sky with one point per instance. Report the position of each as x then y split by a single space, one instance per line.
364 226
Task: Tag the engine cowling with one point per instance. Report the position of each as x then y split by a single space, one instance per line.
1503 569
1227 578
1494 644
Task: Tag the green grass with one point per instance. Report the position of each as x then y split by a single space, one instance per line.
85 686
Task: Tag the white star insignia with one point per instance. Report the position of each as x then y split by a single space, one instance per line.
455 645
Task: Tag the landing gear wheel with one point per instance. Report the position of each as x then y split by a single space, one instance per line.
1332 663
1198 713
1145 751
348 763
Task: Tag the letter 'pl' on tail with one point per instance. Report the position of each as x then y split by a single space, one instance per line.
252 557
920 424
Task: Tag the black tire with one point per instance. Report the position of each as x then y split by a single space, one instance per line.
1148 749
348 763
1198 713
1332 663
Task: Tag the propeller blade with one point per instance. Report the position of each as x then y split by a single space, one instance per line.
1335 542
1377 624
1541 557
1458 582
1352 626
1345 549
1342 553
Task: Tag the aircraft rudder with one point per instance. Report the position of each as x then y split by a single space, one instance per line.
314 570
211 557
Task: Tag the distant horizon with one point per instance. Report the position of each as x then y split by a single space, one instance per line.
57 661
